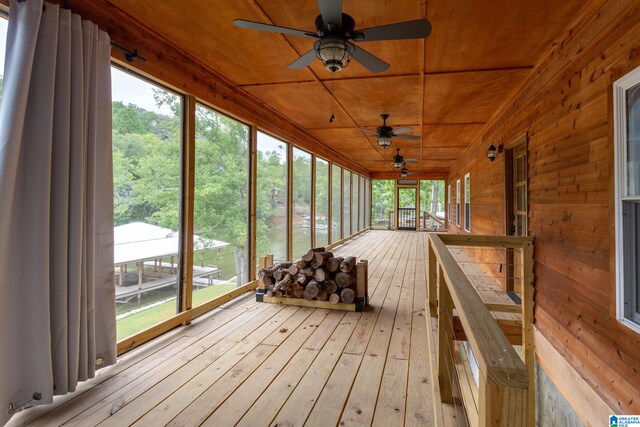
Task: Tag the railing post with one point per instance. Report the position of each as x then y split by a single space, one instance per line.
432 283
526 259
445 338
501 405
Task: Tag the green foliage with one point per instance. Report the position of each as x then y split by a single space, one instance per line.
381 199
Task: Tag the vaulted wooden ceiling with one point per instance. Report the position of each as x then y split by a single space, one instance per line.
445 87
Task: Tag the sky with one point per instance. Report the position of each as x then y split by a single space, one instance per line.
133 90
3 41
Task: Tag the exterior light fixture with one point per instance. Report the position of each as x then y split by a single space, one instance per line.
384 141
334 53
493 152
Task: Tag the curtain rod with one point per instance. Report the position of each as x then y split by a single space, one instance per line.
129 55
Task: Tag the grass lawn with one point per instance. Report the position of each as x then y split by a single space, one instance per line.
146 318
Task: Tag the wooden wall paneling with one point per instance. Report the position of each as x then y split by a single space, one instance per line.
565 105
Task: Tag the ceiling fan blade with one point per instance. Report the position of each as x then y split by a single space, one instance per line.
418 29
273 28
369 61
407 136
331 11
411 161
304 60
369 130
401 130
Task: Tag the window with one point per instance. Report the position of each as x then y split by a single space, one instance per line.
458 203
346 193
467 202
146 194
336 203
301 219
322 202
363 197
271 197
431 203
627 169
220 205
382 200
367 203
449 203
354 203
4 26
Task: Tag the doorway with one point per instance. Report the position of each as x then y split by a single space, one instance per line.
515 206
407 208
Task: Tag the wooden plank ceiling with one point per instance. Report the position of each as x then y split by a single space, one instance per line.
445 87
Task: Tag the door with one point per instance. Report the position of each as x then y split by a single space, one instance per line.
516 209
407 208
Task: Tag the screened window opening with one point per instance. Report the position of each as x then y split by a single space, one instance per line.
322 202
346 193
301 220
336 203
221 205
271 197
382 202
146 125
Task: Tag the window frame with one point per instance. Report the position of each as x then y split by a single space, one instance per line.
458 202
450 210
626 292
467 202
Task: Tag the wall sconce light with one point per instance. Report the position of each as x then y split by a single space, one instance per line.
493 152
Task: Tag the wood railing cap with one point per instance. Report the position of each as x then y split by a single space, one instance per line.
498 361
482 240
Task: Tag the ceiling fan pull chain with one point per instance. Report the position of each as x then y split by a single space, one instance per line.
332 100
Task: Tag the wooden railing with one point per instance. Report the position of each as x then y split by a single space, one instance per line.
431 218
505 393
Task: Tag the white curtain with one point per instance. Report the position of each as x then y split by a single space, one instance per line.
57 309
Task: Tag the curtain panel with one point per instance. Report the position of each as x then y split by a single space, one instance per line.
57 309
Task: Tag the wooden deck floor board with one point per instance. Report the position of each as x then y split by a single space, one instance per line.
254 364
205 369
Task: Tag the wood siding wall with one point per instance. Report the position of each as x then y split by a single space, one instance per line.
565 106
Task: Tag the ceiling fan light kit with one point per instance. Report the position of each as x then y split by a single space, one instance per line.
334 53
384 141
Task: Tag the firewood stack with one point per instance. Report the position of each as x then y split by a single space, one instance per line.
318 275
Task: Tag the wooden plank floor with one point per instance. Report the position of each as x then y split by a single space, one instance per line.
258 364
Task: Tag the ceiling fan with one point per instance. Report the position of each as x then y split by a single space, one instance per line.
335 32
384 133
399 162
404 172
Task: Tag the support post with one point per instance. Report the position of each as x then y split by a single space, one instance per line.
526 259
445 337
188 158
432 283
